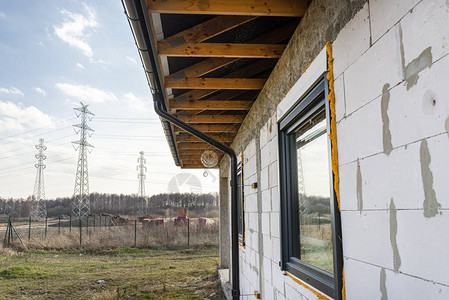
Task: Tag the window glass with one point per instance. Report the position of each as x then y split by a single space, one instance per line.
315 231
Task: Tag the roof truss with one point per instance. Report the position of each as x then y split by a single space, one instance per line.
217 100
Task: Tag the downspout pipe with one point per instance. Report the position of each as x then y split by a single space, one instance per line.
139 22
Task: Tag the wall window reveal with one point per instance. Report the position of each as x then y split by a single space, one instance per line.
308 205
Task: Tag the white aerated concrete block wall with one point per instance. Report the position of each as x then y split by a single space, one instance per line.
391 75
392 106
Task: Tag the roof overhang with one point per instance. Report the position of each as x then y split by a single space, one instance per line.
213 59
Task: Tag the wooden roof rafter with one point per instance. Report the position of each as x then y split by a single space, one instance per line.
222 87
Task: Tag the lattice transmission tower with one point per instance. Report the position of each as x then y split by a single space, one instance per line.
38 208
142 206
301 188
81 204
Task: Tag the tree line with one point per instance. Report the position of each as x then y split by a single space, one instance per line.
117 204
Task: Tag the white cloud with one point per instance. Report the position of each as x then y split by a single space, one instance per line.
131 60
80 66
13 116
76 29
41 91
2 15
134 102
86 93
12 90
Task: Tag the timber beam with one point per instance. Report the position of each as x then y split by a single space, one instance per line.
211 105
221 50
213 128
281 8
216 83
214 119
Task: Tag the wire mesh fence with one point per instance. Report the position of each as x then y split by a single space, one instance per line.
107 232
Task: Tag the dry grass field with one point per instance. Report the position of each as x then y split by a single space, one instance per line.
123 273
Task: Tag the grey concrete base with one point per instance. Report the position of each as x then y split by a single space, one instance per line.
225 284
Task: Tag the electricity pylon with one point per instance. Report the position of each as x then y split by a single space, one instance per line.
142 207
38 208
81 205
301 188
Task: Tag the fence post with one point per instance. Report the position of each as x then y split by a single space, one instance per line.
100 222
319 221
9 232
29 228
6 233
81 230
94 223
188 232
135 233
87 225
59 225
70 226
110 221
46 222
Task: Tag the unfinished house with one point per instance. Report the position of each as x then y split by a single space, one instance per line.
329 120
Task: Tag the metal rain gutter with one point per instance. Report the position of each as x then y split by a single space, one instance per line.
139 22
138 28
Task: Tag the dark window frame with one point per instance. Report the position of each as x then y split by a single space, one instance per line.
329 284
241 204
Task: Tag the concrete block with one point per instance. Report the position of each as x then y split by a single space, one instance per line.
379 65
268 292
267 270
360 134
278 278
399 176
263 135
265 155
422 28
279 295
439 166
276 251
264 183
266 201
291 293
348 186
267 246
274 149
361 279
273 174
248 182
253 221
249 167
355 33
275 225
275 199
400 286
266 223
396 176
301 292
385 13
367 228
272 127
422 245
251 202
422 110
250 149
253 240
340 105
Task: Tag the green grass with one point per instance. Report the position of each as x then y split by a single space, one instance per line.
128 274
